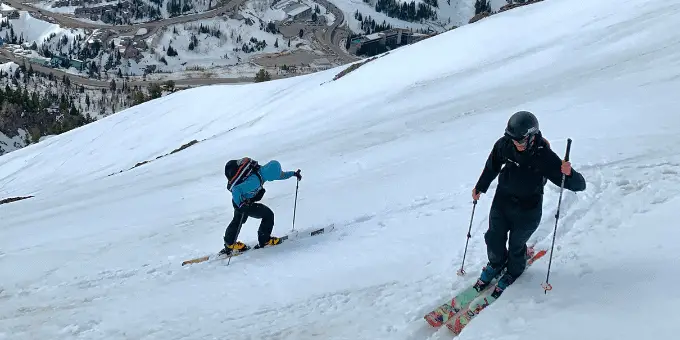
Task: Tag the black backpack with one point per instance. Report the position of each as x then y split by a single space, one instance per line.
238 171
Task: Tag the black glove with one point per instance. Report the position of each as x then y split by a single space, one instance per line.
298 174
246 204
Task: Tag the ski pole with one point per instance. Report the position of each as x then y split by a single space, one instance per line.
297 185
547 286
461 271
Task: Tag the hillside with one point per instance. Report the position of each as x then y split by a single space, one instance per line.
389 154
438 15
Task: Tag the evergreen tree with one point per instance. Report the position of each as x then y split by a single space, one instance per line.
482 6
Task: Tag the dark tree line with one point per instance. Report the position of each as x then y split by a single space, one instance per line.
178 7
40 114
369 25
407 11
482 6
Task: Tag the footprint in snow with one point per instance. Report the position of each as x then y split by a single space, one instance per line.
585 270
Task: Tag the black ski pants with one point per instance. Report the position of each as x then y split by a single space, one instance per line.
254 210
513 222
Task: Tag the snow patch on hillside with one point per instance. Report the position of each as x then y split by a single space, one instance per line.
29 30
222 45
12 144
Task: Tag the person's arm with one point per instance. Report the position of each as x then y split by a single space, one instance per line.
237 196
553 170
272 172
492 168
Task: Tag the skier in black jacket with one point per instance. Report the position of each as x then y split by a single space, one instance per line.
517 205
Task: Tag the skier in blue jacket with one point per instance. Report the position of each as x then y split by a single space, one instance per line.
246 180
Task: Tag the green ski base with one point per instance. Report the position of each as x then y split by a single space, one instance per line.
483 300
448 310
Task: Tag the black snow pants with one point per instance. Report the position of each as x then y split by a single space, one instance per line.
519 219
254 210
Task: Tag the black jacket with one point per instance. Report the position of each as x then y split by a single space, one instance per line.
524 175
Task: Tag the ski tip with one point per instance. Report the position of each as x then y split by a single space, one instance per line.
196 260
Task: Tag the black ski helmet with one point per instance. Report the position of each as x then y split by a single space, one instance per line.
230 168
522 124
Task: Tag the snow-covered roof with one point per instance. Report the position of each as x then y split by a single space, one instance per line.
4 7
374 36
296 9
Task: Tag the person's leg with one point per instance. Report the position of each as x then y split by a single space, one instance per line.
497 235
232 231
524 224
261 211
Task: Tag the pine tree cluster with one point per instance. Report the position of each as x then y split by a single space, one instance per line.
406 11
178 7
41 114
212 31
482 6
171 52
433 3
368 24
252 46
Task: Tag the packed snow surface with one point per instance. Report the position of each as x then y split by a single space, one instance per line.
390 161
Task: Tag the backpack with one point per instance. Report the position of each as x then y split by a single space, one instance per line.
238 171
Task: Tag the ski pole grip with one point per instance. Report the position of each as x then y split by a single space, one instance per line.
566 156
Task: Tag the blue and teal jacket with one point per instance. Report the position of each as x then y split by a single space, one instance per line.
252 185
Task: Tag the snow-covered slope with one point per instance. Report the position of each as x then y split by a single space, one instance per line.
449 13
390 161
38 31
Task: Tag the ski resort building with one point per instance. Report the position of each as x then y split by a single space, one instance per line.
380 42
298 11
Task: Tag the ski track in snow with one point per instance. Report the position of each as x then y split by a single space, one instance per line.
389 162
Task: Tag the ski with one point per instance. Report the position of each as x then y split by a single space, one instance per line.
295 234
483 300
448 310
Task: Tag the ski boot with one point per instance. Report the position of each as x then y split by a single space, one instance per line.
488 273
272 242
503 283
236 248
530 252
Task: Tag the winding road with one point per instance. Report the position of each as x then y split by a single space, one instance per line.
72 22
330 37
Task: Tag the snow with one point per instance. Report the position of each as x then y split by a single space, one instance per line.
213 51
36 30
264 10
48 5
9 67
349 7
295 10
33 29
6 7
96 256
449 14
8 144
198 6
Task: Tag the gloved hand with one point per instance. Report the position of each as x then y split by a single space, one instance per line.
298 174
246 203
